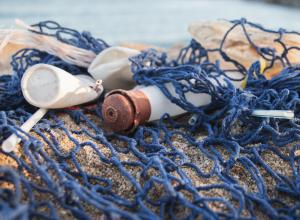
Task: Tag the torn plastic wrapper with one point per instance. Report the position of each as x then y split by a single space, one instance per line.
112 66
210 35
13 40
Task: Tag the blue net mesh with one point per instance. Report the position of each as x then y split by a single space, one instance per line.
227 164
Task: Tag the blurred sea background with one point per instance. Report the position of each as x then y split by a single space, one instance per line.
159 22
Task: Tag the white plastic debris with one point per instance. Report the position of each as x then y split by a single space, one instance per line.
13 40
161 104
47 86
284 114
210 35
124 110
11 142
112 66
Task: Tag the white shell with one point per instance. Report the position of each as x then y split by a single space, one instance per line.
49 87
113 67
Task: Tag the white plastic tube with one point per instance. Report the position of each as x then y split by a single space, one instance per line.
11 142
112 66
160 104
284 114
49 87
124 110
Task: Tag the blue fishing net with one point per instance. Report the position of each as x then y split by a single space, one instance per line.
225 164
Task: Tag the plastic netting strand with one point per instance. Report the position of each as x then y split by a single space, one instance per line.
222 166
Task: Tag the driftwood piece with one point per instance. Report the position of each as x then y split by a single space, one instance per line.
237 46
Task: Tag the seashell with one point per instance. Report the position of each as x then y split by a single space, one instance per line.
49 87
112 66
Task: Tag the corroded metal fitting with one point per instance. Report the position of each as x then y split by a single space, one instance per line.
124 110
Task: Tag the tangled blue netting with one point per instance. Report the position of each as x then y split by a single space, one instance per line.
46 181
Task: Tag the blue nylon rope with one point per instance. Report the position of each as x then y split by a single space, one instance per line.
65 185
